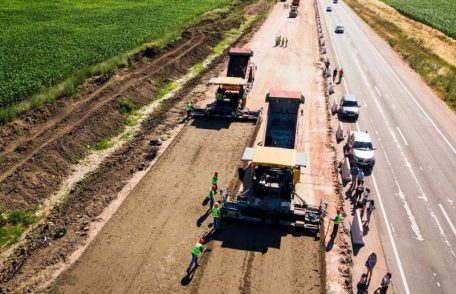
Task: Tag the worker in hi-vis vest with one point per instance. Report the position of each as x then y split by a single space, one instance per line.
211 195
337 221
197 249
214 180
216 215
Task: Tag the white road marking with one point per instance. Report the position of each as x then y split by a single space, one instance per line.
402 135
447 219
378 91
392 228
365 103
379 197
421 168
390 235
438 284
406 89
365 67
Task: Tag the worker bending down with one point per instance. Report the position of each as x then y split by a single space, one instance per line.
197 249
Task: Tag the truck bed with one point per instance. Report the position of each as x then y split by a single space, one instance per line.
281 126
237 66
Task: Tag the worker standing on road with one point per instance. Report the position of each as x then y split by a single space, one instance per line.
277 41
337 221
341 74
197 249
214 180
211 195
282 42
354 173
188 109
331 88
286 42
334 74
216 215
364 201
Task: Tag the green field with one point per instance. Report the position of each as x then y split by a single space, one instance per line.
439 14
42 42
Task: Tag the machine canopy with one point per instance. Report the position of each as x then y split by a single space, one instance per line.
229 81
274 157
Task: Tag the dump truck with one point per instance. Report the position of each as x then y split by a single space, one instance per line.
232 91
268 195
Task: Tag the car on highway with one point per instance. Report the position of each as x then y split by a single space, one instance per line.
335 1
329 9
349 107
339 30
360 150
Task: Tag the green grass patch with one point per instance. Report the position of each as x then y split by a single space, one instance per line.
131 120
51 47
127 106
125 136
439 14
438 74
14 223
166 89
104 144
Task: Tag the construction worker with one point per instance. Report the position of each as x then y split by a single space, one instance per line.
197 249
282 42
216 214
334 74
214 180
211 195
337 221
286 42
188 109
277 41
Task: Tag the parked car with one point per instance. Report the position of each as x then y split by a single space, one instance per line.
335 1
339 29
349 107
329 9
359 150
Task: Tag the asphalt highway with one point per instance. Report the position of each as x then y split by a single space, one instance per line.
414 179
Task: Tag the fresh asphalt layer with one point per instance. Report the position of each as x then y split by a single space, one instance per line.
415 135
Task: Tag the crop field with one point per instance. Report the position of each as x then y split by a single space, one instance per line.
42 42
439 14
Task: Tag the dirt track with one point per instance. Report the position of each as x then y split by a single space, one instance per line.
146 245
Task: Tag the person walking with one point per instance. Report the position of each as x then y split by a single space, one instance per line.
386 281
341 74
216 216
331 88
188 109
214 180
359 193
334 74
337 221
354 173
360 176
370 209
211 196
197 249
364 201
370 263
362 284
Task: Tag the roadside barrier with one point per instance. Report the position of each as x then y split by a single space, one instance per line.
345 170
340 133
357 230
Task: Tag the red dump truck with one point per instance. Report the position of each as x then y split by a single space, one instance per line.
273 170
232 91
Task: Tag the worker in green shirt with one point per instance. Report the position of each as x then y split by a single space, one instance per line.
337 221
214 180
188 109
197 249
211 195
216 215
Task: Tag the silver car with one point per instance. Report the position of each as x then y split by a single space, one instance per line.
339 30
349 107
360 150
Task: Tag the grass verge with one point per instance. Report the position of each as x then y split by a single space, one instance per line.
14 223
436 72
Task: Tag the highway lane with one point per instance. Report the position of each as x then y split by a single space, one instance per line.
416 157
